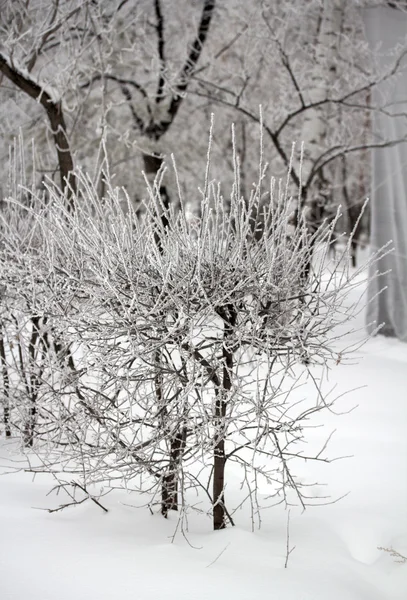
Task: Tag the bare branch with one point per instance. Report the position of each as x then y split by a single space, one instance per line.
56 119
195 52
161 50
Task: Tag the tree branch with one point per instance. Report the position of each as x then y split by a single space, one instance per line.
256 119
321 162
192 60
161 50
46 35
55 117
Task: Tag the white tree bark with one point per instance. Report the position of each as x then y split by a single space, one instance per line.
322 81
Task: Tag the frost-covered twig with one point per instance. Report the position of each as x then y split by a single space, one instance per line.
399 558
165 363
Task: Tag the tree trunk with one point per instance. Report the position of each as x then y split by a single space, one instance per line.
175 444
314 128
6 387
219 514
56 119
228 314
353 213
65 161
34 381
169 494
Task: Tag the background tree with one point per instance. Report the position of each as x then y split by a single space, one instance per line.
322 75
146 76
29 35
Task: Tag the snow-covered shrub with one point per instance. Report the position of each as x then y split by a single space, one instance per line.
27 348
176 344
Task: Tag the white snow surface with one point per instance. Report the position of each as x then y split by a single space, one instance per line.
82 553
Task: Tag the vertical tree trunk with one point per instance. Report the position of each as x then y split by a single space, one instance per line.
229 316
175 444
219 514
314 128
34 379
169 494
317 189
352 214
6 386
169 489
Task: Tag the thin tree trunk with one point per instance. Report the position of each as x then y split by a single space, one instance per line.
353 213
34 382
321 79
228 314
176 443
6 386
169 495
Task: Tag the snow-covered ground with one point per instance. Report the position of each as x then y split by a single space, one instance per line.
82 553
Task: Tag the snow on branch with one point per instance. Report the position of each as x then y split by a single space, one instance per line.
160 366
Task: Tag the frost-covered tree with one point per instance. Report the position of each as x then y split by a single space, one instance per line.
176 343
39 61
311 69
88 63
145 77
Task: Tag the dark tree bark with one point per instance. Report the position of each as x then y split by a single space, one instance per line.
192 59
176 438
6 387
34 381
229 315
56 120
353 210
169 494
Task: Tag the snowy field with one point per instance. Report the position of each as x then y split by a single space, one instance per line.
83 553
